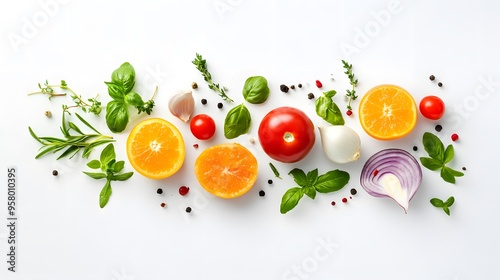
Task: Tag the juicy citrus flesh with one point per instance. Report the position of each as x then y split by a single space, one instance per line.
155 148
226 170
388 112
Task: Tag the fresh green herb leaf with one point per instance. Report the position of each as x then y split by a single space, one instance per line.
48 89
107 155
118 166
117 115
310 184
237 122
256 90
94 164
122 177
328 110
290 199
351 94
124 77
439 157
95 175
105 194
201 65
436 202
275 171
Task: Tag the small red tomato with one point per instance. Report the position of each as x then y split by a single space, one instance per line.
202 126
432 107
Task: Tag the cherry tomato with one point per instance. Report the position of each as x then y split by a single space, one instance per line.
286 134
202 126
432 107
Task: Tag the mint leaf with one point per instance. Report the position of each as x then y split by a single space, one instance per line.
299 177
290 199
436 202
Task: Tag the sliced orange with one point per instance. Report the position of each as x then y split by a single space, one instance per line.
155 148
226 170
387 112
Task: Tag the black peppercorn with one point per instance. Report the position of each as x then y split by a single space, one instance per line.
55 172
438 128
310 95
299 85
262 193
269 181
440 84
188 209
204 101
292 87
415 148
284 88
354 191
159 191
220 105
432 78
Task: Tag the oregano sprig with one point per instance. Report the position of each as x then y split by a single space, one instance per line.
201 65
439 157
351 93
436 202
310 184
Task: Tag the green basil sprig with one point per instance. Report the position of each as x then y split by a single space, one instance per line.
121 90
237 122
311 183
439 157
436 202
110 167
256 90
328 110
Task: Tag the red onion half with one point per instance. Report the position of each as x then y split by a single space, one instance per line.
393 173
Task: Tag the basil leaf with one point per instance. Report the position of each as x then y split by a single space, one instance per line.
449 202
436 202
454 172
447 176
299 177
433 146
312 177
275 170
449 153
94 164
332 181
124 76
330 93
328 110
108 154
237 122
117 116
430 163
134 99
122 177
310 192
256 90
290 199
95 175
115 91
105 194
118 166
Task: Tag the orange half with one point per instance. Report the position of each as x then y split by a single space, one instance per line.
226 170
387 112
155 148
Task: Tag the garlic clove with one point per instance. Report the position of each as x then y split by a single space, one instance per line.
181 105
341 144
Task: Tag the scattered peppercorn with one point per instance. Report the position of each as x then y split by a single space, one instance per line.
375 172
284 88
188 209
195 146
319 84
48 114
432 78
440 84
194 85
344 200
251 140
220 105
270 182
438 128
454 137
204 101
55 172
183 190
415 148
310 95
354 191
464 168
262 193
292 87
159 191
163 204
299 85
333 203
349 112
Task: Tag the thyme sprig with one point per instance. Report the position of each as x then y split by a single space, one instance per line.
71 143
351 93
201 65
49 89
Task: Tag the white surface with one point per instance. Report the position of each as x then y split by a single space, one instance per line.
62 233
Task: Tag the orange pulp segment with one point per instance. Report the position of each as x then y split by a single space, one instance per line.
387 112
226 170
155 148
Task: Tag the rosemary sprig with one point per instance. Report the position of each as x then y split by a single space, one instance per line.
351 93
71 144
201 65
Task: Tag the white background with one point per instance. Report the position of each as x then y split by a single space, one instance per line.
63 234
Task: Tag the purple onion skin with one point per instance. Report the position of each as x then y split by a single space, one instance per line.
396 161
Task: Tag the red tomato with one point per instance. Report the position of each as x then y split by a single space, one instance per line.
432 107
202 126
286 134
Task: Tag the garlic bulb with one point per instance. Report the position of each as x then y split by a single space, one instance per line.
181 105
341 144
